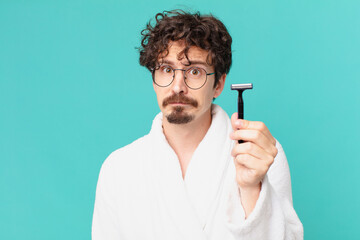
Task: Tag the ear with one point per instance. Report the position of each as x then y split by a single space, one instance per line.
220 85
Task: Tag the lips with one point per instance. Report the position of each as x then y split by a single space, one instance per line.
178 103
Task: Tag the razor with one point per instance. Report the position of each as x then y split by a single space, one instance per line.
241 88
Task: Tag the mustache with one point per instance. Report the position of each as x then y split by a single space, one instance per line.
179 98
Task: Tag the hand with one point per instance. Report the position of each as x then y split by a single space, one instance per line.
252 158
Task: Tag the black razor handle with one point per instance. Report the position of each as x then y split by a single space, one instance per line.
240 88
240 109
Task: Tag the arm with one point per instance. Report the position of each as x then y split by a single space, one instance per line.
252 158
104 218
263 187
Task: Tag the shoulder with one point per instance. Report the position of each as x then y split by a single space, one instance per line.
280 159
279 174
122 175
131 150
280 162
124 161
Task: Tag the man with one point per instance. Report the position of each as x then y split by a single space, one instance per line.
189 178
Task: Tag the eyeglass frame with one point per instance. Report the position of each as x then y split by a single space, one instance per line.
184 71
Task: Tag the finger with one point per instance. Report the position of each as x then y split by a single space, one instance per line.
251 162
256 125
256 137
254 150
235 122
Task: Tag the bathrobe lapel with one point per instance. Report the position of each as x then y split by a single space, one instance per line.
204 179
172 206
187 205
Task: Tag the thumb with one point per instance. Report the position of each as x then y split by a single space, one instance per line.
238 123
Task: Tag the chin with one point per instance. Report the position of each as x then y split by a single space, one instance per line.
179 116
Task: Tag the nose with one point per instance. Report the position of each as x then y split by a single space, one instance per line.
178 85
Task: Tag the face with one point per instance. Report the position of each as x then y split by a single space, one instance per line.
179 103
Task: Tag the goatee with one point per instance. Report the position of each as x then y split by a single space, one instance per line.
178 116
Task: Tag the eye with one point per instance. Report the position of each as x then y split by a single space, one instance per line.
166 69
195 71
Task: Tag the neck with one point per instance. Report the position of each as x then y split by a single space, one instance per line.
184 138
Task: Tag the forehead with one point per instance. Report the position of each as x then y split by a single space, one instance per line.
176 53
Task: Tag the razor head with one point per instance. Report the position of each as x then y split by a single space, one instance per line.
242 87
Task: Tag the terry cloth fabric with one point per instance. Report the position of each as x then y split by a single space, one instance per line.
141 193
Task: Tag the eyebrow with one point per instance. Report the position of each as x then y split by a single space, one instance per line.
195 62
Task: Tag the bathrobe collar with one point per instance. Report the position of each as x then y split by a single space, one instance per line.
191 202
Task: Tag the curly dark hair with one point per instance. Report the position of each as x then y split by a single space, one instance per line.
203 31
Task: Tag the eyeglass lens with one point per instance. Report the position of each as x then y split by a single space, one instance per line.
194 77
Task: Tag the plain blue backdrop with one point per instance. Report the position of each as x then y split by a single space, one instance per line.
72 91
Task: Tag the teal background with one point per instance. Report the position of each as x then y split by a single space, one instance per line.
72 91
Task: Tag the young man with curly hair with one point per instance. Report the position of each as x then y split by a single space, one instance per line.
189 178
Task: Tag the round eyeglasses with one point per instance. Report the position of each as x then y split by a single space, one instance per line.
194 77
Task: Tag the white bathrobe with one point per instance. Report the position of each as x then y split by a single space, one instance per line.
141 194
